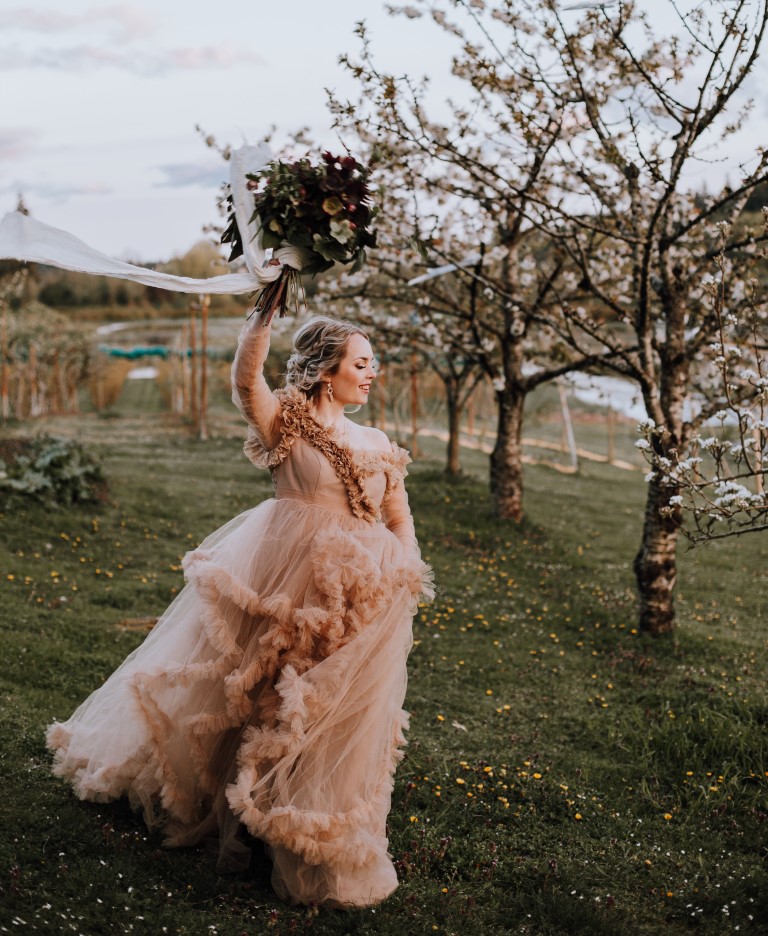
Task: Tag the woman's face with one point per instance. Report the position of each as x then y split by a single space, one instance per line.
352 381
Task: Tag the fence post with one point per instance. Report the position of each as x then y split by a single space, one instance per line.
568 425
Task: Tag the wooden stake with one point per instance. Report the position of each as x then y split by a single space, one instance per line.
192 368
184 369
568 426
6 409
34 403
415 405
611 435
205 303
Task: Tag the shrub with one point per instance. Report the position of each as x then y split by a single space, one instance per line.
52 469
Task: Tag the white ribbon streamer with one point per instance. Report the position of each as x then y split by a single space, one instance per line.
24 238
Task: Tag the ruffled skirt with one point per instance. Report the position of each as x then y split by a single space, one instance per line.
269 695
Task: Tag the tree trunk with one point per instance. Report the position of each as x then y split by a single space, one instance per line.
656 563
453 459
507 456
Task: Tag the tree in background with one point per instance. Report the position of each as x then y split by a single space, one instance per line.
720 487
467 195
45 359
574 150
650 111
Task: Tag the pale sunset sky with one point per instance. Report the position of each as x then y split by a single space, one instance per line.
100 99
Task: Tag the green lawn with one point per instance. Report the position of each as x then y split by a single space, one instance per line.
564 774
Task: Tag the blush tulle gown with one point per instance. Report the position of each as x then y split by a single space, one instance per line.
269 694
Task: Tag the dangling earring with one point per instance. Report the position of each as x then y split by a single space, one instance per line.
330 391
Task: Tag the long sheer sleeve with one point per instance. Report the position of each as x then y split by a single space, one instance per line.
395 511
250 391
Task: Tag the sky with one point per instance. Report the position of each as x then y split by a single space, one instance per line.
99 100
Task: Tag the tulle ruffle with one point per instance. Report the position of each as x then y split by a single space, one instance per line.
270 690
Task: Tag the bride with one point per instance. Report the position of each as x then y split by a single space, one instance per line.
267 701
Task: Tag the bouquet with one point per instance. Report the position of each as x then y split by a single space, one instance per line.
323 210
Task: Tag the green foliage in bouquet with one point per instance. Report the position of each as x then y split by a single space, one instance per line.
324 209
50 469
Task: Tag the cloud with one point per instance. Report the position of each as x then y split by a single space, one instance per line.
128 22
178 175
84 58
16 141
220 56
56 191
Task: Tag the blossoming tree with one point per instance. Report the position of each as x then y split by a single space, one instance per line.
577 148
720 486
650 111
463 199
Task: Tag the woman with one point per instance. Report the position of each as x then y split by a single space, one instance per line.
269 694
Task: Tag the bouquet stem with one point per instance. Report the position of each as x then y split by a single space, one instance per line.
276 296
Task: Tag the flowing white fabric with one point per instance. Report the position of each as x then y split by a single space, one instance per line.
24 238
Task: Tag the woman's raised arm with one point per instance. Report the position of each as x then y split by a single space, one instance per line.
250 391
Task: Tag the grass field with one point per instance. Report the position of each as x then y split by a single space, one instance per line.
564 774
